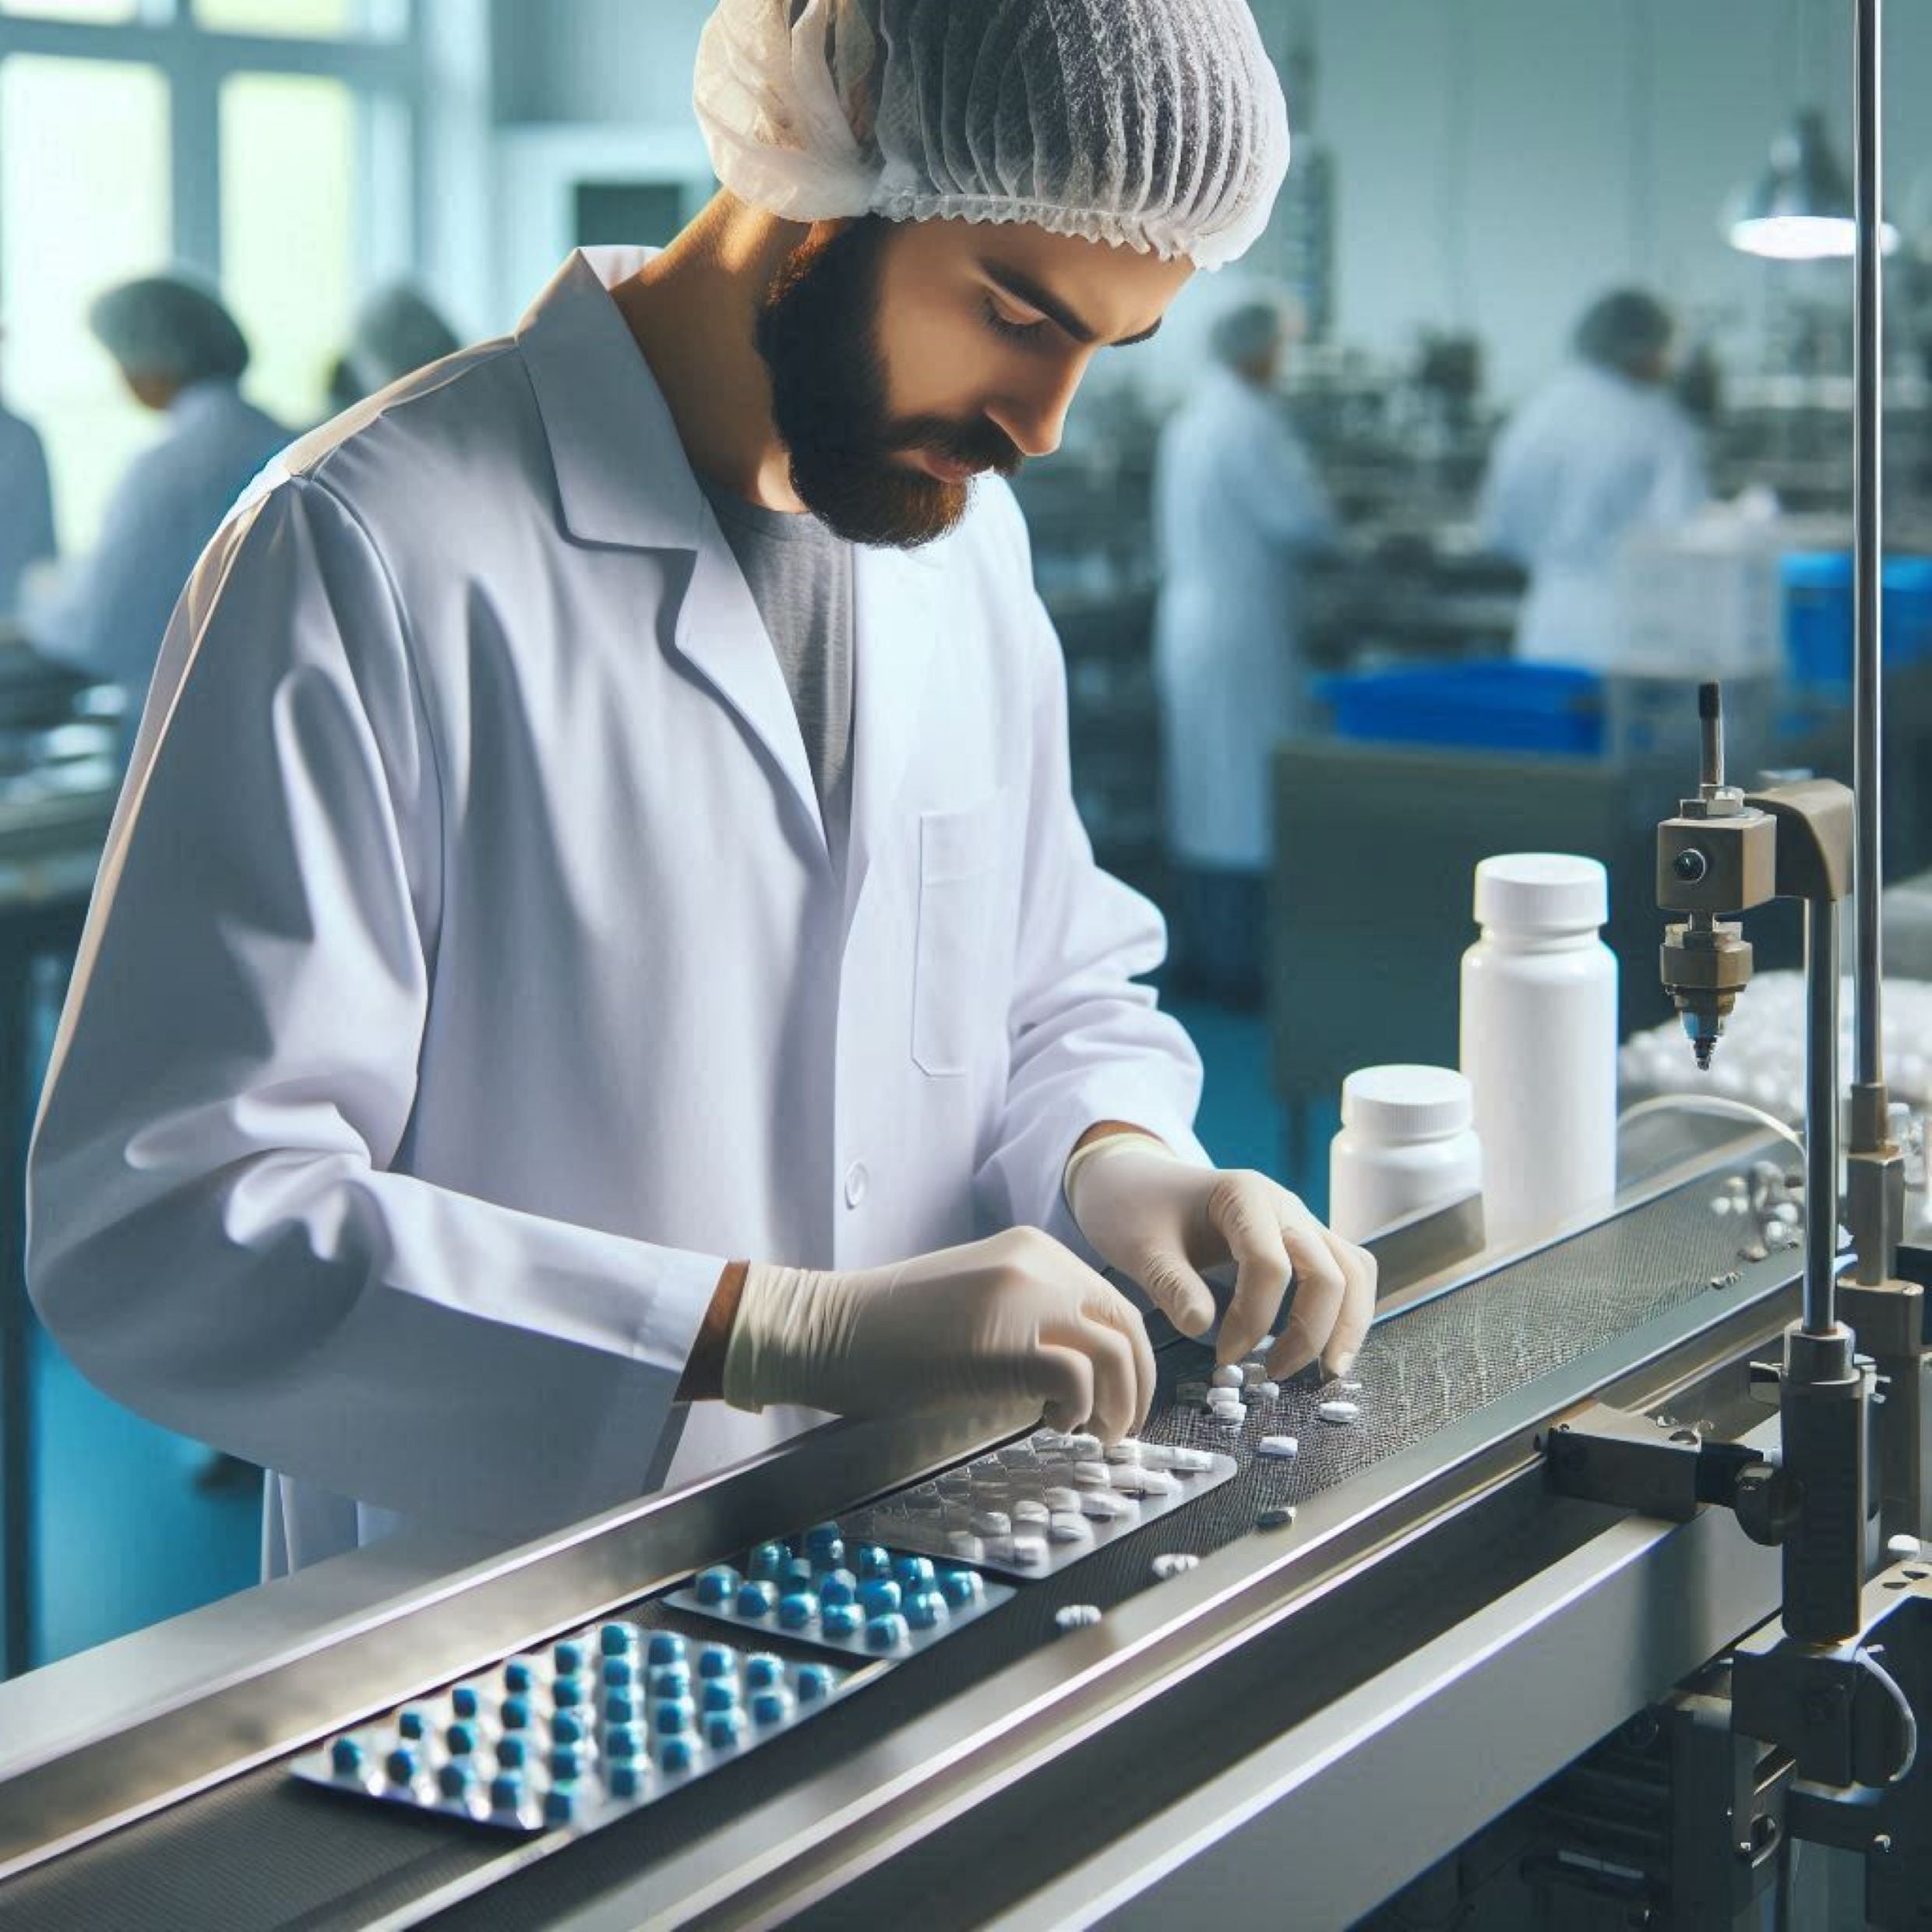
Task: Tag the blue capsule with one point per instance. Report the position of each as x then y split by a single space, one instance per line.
839 1619
926 1610
821 1536
560 1805
460 1737
761 1669
797 1611
567 1727
766 1561
464 1702
623 1781
723 1729
960 1587
873 1561
815 1684
345 1756
401 1765
670 1680
564 1762
515 1713
613 1640
510 1752
885 1633
720 1694
878 1596
618 1671
518 1677
718 1660
568 1656
624 1741
567 1692
412 1725
620 1708
756 1599
507 1792
665 1646
913 1573
453 1779
796 1575
674 1753
769 1707
837 1586
717 1586
667 1718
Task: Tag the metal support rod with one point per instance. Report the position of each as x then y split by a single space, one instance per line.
1711 726
1821 1142
1867 511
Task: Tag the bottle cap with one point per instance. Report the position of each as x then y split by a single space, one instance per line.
1542 892
1407 1103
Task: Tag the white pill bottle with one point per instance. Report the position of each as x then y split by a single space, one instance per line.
1539 1042
1407 1146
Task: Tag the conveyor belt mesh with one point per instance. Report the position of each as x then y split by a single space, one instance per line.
262 1852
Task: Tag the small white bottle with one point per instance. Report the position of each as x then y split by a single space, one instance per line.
1406 1147
1539 1042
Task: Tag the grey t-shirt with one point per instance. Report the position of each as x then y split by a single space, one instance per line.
801 578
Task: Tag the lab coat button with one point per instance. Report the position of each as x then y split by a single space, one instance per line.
855 1180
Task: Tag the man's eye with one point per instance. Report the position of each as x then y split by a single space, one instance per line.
1013 331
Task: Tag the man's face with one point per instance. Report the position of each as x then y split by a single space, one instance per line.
907 357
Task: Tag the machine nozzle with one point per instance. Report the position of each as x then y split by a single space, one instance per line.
1707 963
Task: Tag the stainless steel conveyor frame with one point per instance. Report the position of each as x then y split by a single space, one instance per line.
1347 1703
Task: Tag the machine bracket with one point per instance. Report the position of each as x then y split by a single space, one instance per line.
1647 1464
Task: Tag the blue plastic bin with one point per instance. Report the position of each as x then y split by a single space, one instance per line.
1817 594
1554 709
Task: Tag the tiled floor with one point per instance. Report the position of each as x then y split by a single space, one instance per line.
125 1537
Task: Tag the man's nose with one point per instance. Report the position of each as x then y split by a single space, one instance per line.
1036 419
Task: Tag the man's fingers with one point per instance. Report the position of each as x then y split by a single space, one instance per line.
1062 1377
1178 1292
1358 1307
1245 1209
1321 1290
1116 1312
1115 1382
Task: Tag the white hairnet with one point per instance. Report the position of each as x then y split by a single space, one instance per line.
166 326
1158 123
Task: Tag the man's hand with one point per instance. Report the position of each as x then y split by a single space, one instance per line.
1016 1318
1162 1220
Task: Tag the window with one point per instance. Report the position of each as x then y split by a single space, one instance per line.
309 19
66 232
288 241
140 135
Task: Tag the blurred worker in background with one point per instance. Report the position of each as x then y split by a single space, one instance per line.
1603 449
397 331
180 352
1237 507
27 507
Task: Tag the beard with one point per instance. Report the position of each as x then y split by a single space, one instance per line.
818 331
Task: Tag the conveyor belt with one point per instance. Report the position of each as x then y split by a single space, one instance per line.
262 1851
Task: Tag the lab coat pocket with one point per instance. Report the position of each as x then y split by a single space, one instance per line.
960 870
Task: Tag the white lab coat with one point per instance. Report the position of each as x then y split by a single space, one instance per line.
27 507
109 617
1237 505
1592 457
468 979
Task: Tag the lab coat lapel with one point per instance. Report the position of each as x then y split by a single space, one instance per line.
896 624
720 632
623 478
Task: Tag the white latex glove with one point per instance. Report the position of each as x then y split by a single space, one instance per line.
1162 1220
1015 1318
